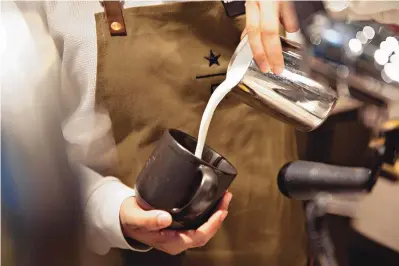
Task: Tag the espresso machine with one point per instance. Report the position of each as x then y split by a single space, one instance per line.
359 60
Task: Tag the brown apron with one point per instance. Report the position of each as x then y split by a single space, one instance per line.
161 75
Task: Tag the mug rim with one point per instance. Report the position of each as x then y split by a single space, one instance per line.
171 132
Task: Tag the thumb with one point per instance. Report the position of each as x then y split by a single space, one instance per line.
136 218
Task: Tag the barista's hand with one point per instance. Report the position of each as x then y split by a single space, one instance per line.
263 22
146 227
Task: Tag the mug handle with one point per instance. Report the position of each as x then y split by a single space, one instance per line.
205 193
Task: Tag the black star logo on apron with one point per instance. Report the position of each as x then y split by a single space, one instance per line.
212 58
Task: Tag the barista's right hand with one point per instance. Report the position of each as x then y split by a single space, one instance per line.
263 28
148 227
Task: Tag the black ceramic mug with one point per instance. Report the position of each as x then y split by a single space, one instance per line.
176 181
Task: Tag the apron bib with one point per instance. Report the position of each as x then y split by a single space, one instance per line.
160 75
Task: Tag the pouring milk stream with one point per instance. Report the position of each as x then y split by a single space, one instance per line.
233 77
293 96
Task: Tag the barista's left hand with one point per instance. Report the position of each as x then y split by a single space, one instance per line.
263 28
144 226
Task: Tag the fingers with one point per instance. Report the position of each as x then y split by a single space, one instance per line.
270 25
263 26
175 242
203 234
224 204
213 224
134 217
288 17
156 239
254 37
210 228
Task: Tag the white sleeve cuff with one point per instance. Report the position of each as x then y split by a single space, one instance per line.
103 202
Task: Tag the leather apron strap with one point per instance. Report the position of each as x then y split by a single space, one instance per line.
114 14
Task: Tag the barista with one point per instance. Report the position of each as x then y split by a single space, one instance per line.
121 92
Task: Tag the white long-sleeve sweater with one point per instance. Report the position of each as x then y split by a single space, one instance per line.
44 37
52 45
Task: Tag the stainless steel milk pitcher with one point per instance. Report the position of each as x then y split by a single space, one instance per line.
292 96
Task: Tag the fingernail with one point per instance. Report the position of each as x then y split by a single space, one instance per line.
278 69
265 68
223 216
163 219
